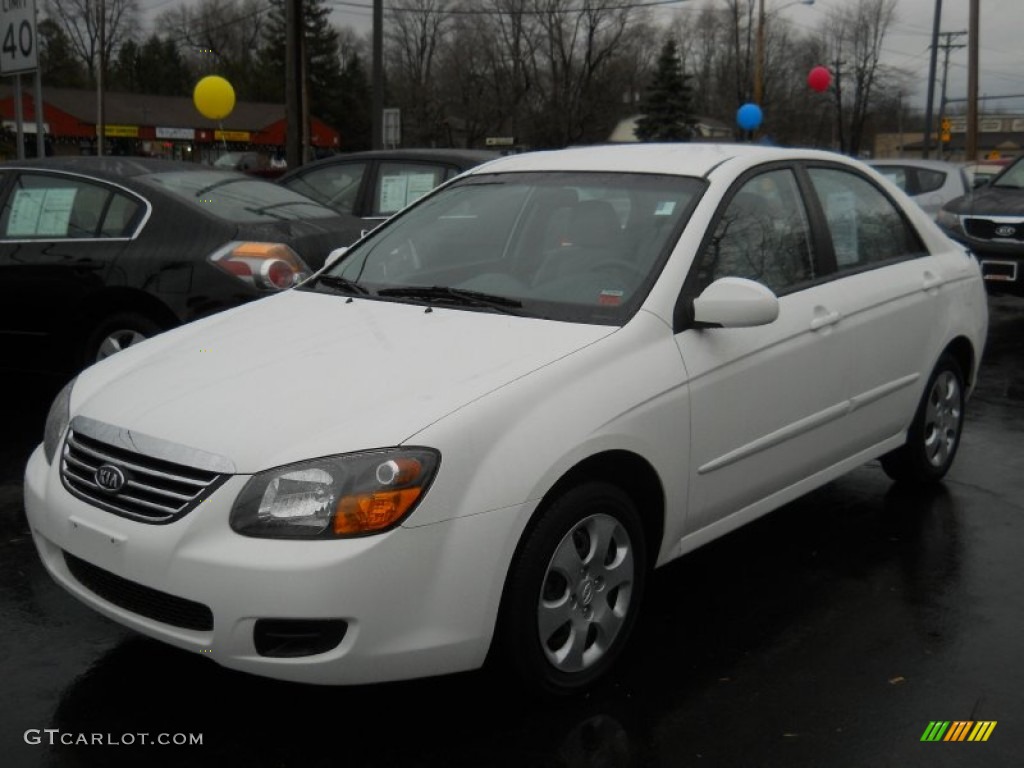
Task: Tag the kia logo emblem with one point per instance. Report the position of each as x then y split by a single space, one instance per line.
110 478
1006 231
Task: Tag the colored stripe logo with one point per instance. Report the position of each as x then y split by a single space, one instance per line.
959 730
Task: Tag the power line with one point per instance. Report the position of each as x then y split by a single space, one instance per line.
523 11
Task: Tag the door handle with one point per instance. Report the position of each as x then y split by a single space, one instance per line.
930 281
822 318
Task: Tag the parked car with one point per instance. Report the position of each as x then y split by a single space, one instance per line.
375 185
990 221
931 183
980 174
99 253
474 435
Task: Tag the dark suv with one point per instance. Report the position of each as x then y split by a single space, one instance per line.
990 221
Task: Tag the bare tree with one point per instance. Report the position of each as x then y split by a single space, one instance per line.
414 35
81 21
856 33
222 36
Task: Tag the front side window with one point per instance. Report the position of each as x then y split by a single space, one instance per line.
44 206
582 247
865 226
402 184
762 235
335 185
929 180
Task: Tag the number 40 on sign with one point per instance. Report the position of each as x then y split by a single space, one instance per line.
17 36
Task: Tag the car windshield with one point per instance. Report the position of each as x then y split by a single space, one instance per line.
1012 177
233 197
580 247
229 160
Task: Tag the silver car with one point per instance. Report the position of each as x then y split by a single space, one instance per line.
931 183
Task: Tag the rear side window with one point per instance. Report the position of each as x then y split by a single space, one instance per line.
865 226
47 206
335 185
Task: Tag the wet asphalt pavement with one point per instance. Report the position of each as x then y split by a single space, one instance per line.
830 633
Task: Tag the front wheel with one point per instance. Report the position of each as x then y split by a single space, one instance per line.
574 591
115 333
934 435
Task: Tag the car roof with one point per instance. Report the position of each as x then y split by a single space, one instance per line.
464 158
938 165
109 167
683 159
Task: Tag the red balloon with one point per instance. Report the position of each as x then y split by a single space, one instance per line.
819 79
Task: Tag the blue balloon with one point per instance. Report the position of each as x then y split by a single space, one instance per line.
749 117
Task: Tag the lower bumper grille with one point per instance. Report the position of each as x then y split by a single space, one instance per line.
151 603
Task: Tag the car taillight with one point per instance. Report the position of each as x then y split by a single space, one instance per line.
265 266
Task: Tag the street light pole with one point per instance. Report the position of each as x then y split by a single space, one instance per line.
759 48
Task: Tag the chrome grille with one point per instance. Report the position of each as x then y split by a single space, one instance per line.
154 490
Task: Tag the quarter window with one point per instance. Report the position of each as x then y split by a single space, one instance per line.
866 228
51 207
763 235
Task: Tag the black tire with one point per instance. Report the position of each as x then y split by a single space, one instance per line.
591 611
934 435
117 332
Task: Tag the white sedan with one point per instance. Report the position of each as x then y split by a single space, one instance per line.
472 437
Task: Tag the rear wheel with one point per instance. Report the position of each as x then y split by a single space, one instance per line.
115 333
934 435
574 591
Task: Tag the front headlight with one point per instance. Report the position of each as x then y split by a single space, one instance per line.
350 495
949 221
57 420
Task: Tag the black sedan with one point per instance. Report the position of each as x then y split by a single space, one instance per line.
97 253
375 185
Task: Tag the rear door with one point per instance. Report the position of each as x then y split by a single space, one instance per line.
60 235
888 298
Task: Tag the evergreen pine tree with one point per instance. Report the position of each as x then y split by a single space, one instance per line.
666 103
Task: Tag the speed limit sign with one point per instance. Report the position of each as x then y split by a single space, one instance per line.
18 50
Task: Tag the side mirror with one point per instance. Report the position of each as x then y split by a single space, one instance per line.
336 254
979 181
735 302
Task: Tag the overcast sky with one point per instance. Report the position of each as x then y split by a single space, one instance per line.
907 45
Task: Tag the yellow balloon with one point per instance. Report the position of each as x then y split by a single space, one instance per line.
214 97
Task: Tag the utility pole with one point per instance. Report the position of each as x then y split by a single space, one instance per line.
840 141
971 150
947 47
933 64
101 121
293 82
378 74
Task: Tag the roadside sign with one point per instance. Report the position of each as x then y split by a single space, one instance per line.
500 141
18 49
392 127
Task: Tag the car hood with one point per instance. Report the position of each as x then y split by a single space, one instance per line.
302 375
989 201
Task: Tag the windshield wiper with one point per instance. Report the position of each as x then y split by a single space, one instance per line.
341 283
221 183
457 296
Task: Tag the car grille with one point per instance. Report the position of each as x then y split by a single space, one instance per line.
151 603
154 490
985 229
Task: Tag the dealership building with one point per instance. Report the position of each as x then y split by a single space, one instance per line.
139 124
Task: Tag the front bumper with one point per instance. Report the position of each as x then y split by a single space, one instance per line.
416 601
1002 263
